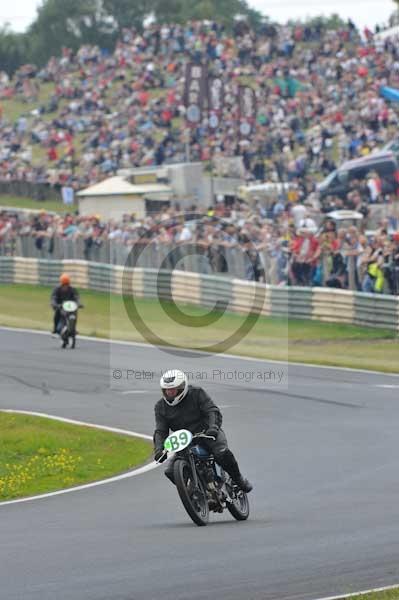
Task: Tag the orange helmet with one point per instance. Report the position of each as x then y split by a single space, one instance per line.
65 279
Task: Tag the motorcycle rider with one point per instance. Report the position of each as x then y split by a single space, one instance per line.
60 294
183 406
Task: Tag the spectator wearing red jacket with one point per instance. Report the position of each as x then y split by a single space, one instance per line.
305 253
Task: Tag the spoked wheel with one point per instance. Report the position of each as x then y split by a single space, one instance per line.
72 332
194 500
64 335
239 507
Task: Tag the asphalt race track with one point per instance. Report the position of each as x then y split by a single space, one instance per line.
321 447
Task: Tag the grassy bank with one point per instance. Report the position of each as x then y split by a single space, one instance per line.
20 202
275 338
39 455
386 595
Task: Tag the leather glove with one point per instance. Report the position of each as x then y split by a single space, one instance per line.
160 456
212 432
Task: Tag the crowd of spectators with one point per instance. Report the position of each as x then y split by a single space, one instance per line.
318 104
317 94
293 248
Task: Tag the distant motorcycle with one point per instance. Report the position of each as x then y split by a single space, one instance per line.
201 483
67 325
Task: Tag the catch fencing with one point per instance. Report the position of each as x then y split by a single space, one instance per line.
232 261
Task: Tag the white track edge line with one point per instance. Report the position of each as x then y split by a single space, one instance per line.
84 486
234 356
355 594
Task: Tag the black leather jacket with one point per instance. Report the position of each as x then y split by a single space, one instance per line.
61 294
196 412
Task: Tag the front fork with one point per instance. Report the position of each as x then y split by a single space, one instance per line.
193 470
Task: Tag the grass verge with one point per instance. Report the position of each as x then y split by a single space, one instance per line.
385 595
275 338
20 202
39 455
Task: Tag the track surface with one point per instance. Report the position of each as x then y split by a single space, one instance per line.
321 448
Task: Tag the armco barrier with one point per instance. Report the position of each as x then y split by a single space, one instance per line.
333 305
381 310
150 283
133 284
248 295
323 304
215 289
26 271
293 302
49 271
100 277
7 264
186 287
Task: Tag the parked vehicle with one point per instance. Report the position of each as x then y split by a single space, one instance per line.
338 182
345 218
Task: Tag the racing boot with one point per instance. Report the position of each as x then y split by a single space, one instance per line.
228 462
244 484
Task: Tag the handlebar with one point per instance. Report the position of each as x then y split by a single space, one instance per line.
60 305
204 436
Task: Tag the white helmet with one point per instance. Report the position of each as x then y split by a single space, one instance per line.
174 386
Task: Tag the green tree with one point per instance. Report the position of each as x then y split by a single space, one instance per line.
333 21
394 18
13 50
128 13
224 11
70 24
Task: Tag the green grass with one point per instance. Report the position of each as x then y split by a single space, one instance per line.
39 455
19 202
248 80
14 107
39 155
387 595
156 93
275 338
49 116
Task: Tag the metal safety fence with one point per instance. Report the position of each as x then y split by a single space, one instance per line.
190 257
238 261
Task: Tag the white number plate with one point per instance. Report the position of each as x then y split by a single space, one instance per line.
70 306
178 440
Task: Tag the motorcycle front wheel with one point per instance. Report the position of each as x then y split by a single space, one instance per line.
239 507
194 499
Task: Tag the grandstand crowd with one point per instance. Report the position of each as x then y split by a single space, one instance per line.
317 95
318 104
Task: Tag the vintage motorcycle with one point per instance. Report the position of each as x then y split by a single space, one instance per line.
67 323
202 484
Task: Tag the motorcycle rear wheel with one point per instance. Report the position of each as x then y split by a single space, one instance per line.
194 501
